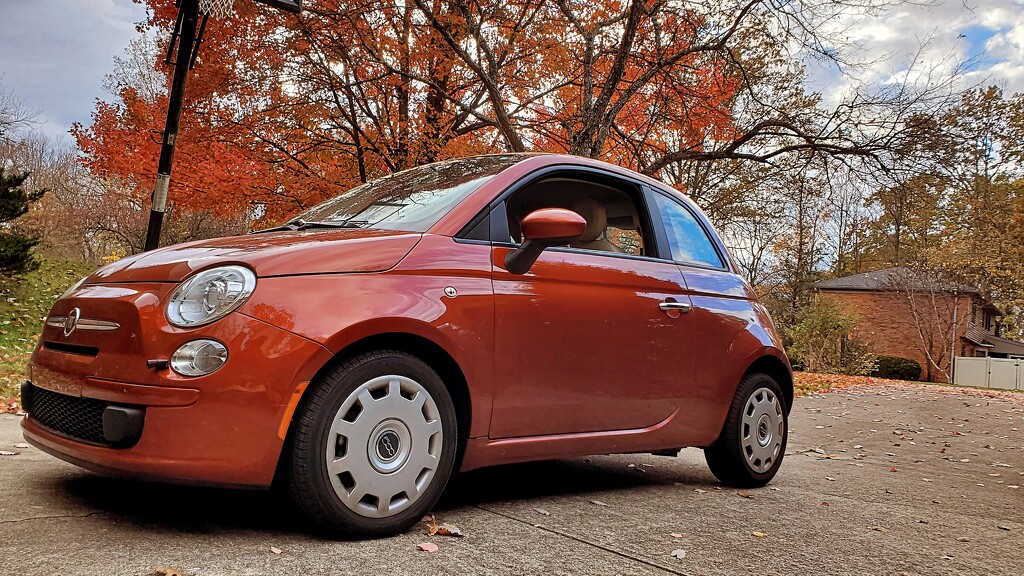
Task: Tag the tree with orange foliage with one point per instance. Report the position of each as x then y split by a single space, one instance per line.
284 110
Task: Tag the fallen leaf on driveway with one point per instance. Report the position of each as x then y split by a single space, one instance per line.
676 535
598 502
679 553
1003 527
830 479
893 469
275 549
165 571
8 453
878 529
443 529
745 495
699 491
824 503
542 512
21 445
758 534
427 547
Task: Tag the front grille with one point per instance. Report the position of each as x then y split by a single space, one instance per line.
78 418
71 348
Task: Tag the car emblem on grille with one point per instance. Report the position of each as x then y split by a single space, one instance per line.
74 321
71 322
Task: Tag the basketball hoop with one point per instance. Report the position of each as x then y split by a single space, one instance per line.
222 8
217 8
186 38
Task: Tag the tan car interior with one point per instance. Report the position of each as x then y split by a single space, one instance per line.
613 223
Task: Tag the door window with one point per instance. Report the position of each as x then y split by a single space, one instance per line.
613 220
687 239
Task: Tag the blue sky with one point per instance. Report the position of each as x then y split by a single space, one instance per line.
54 54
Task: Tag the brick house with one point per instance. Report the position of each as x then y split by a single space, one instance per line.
927 320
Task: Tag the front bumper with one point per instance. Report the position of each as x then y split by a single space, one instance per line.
84 419
226 428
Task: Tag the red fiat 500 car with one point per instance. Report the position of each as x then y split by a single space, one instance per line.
468 313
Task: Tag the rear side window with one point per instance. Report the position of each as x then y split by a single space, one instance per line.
687 239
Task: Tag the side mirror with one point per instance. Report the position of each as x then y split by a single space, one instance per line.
543 229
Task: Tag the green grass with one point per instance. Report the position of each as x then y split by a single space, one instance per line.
24 303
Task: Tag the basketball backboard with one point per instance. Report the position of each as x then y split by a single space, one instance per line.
289 5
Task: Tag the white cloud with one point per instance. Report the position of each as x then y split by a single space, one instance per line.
989 34
55 53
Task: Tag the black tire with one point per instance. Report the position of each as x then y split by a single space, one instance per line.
310 483
727 457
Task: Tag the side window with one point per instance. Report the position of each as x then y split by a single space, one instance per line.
686 237
613 220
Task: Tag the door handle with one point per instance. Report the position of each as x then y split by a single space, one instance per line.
673 305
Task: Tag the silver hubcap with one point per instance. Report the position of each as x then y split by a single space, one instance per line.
384 446
764 428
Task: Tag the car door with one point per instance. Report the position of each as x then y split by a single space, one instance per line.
723 313
588 341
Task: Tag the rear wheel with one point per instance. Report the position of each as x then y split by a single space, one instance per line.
750 449
374 445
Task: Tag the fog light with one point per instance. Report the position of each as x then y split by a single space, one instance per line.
199 357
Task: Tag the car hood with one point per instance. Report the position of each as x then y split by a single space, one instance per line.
268 254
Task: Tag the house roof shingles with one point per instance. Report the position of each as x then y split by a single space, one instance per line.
1004 346
886 279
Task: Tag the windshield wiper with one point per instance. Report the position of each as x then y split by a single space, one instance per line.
300 224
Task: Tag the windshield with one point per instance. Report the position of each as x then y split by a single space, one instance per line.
413 199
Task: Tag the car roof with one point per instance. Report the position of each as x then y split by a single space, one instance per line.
531 162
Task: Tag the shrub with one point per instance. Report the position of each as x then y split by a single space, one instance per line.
895 368
822 341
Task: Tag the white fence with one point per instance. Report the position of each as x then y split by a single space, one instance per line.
1007 374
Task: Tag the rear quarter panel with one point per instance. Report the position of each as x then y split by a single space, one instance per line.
733 331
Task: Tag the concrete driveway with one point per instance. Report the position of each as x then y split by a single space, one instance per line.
881 480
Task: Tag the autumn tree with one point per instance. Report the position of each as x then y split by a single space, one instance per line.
983 219
908 219
960 206
285 110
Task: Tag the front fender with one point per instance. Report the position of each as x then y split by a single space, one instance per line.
339 311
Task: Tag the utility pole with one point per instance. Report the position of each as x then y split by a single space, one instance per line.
188 18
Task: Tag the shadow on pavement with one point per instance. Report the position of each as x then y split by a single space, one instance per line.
195 509
557 478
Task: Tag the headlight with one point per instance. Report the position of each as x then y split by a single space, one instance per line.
210 295
199 357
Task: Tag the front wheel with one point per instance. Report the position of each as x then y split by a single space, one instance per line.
749 451
374 446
